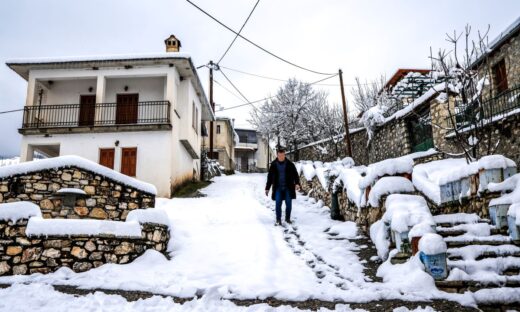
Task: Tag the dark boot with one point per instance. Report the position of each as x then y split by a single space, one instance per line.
278 222
288 220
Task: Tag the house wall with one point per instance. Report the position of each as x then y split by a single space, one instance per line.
223 143
149 88
68 91
154 162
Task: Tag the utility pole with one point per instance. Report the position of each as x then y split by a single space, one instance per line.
345 114
212 108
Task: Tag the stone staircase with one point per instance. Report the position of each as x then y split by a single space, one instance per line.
479 255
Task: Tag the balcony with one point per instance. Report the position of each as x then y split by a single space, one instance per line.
502 105
96 117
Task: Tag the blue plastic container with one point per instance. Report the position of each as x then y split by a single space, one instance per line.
435 265
498 216
514 233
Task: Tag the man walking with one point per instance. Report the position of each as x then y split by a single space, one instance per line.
283 177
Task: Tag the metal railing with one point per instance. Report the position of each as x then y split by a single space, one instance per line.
498 106
95 115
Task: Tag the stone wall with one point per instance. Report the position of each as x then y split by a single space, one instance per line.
107 199
20 254
389 141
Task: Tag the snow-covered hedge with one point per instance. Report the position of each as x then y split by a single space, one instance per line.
79 162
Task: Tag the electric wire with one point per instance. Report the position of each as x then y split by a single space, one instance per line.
255 44
239 31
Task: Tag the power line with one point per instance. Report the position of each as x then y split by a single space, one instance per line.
254 44
285 80
12 111
233 85
243 25
268 98
229 91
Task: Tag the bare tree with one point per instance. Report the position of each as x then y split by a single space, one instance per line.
466 83
366 94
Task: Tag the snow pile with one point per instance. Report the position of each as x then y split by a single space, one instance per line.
348 162
79 162
405 211
9 161
432 244
322 174
373 118
393 166
19 210
389 185
419 230
150 215
514 212
308 170
350 179
510 185
67 227
379 236
71 191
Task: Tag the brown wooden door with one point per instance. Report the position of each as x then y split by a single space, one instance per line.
106 157
127 107
87 110
499 71
129 161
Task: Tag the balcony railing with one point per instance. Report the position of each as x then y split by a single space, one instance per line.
96 115
498 106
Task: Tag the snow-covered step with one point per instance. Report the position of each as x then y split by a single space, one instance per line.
503 265
474 229
463 286
479 252
468 239
454 219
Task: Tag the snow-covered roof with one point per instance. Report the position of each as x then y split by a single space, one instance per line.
507 33
79 162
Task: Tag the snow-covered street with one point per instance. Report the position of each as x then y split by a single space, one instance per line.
225 245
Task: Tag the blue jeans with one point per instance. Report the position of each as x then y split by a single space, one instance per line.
280 196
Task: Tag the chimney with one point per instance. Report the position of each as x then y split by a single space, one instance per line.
172 44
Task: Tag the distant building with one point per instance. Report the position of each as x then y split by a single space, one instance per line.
252 153
137 114
224 142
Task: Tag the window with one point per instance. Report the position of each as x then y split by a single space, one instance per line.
129 161
218 129
193 117
500 76
106 157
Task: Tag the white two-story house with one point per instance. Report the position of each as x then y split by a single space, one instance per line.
140 115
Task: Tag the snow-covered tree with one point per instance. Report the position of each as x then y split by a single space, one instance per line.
297 115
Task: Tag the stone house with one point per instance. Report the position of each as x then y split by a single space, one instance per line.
126 112
224 142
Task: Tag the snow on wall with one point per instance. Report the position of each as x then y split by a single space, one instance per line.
66 227
350 178
510 189
19 210
150 215
389 185
392 166
75 161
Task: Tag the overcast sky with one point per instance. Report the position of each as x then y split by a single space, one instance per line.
364 38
